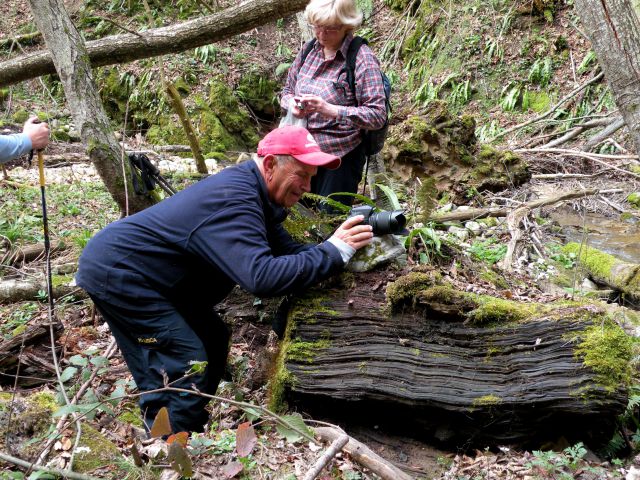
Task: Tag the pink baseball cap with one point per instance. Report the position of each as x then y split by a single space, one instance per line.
297 142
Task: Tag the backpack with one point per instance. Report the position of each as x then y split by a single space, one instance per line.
373 140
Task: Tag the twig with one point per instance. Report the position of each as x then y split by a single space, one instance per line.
364 455
549 176
326 457
564 99
55 471
604 134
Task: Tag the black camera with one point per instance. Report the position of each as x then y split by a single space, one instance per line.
382 222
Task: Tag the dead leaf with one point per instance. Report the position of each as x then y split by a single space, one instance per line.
181 437
180 460
161 425
245 439
232 469
66 444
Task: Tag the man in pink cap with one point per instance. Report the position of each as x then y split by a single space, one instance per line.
155 276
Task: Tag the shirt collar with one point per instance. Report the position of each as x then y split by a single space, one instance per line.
344 48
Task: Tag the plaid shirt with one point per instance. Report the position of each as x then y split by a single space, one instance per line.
327 79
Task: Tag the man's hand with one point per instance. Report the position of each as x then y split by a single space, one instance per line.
37 132
353 234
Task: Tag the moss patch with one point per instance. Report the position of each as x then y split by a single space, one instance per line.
98 452
404 290
607 350
598 263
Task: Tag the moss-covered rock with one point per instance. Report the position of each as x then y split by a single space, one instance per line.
20 116
260 92
442 148
95 452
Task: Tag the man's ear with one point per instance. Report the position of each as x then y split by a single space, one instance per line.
269 163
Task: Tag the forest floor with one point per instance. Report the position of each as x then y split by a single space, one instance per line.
79 206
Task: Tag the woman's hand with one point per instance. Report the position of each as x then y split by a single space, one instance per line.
316 104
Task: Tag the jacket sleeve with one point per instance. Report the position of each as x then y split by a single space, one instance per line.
12 146
235 240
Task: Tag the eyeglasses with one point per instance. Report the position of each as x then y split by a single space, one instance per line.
325 29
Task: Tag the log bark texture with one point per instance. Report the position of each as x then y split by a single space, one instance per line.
158 41
428 371
614 30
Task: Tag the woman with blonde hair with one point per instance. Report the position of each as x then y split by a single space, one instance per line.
317 89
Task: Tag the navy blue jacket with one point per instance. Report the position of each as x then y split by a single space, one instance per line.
196 245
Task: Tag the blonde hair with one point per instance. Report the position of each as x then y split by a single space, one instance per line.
334 12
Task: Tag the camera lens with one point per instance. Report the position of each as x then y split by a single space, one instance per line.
387 222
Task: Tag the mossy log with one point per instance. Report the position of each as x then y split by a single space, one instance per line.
464 369
608 270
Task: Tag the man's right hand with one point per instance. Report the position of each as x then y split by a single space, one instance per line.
353 233
37 132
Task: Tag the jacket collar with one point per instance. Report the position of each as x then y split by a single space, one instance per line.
273 213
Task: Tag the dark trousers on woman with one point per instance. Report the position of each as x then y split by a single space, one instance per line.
346 178
155 344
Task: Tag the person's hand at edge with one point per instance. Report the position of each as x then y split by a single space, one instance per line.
38 133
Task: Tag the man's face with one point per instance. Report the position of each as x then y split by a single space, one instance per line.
287 181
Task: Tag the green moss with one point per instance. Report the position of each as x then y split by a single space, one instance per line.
20 116
45 400
494 278
487 401
496 310
608 351
539 101
131 415
100 452
634 199
404 290
598 263
305 352
61 280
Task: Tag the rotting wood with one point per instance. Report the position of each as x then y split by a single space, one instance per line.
363 455
158 41
434 369
16 290
29 253
476 213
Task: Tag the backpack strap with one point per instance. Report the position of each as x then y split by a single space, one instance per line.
306 50
350 66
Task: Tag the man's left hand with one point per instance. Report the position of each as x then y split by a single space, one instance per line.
353 233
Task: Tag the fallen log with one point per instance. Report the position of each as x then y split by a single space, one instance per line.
450 366
157 41
18 290
608 270
29 253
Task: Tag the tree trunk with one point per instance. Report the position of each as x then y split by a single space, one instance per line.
159 41
71 60
614 29
463 369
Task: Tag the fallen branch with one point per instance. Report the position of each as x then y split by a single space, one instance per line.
55 471
594 157
604 134
475 213
331 452
564 99
577 130
364 455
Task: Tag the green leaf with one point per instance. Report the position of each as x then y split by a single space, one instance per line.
391 196
100 361
295 421
180 460
79 360
252 413
67 374
83 409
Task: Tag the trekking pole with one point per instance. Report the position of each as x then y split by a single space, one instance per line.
45 225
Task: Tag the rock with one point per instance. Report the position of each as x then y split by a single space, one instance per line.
382 250
474 227
461 234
